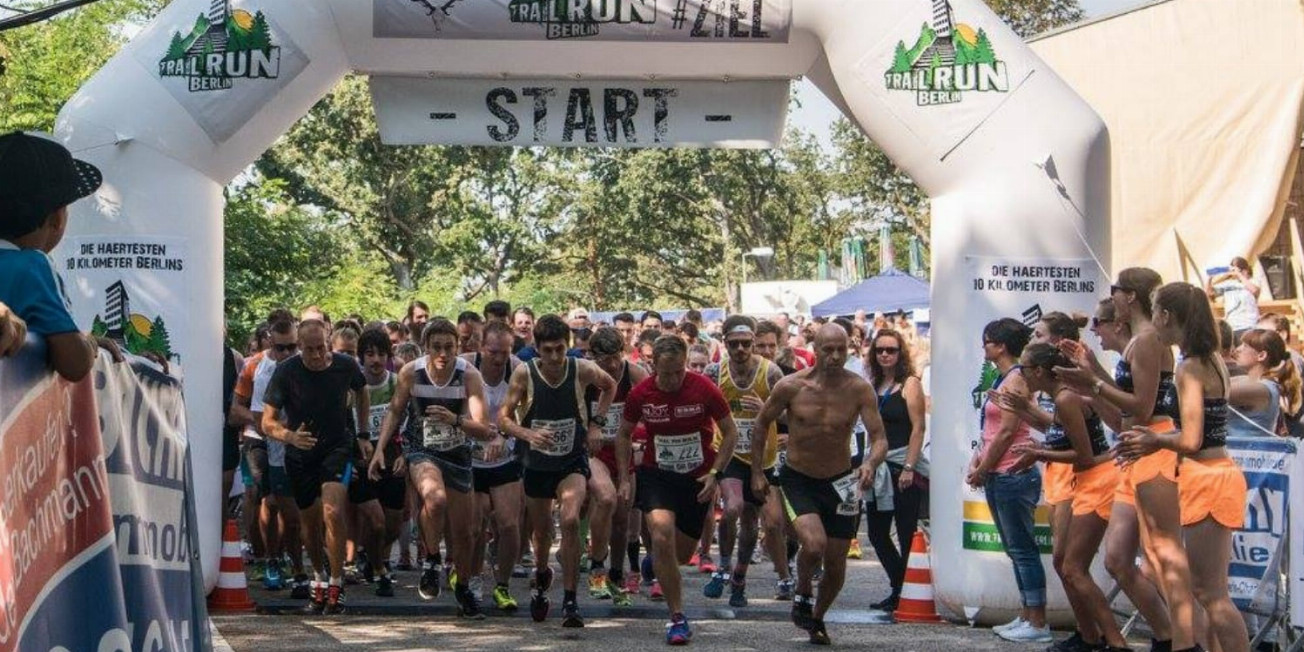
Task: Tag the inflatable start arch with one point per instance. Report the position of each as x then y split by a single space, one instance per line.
1016 163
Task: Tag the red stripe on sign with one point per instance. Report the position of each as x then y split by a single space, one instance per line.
54 500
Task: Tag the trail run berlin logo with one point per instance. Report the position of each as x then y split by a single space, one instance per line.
947 60
581 18
224 45
569 19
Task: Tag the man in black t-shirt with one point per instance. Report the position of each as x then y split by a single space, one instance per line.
306 406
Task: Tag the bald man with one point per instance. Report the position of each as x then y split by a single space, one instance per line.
820 488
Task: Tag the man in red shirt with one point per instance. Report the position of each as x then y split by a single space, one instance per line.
677 480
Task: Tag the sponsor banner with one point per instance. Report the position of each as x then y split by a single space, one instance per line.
980 528
590 113
1295 583
1271 468
680 21
1022 289
223 65
936 60
134 281
96 494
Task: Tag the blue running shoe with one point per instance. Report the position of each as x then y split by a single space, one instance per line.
272 579
715 588
677 632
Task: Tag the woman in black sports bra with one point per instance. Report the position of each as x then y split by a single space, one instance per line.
1212 488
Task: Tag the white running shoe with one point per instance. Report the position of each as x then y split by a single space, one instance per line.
1018 620
1026 633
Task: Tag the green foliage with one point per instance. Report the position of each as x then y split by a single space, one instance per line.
901 58
1031 17
49 61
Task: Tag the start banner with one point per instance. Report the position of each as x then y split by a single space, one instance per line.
96 547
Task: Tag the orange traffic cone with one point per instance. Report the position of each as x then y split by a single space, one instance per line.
916 605
232 593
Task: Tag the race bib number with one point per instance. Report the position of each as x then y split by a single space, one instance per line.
562 436
441 436
614 414
375 418
478 449
679 453
848 488
745 427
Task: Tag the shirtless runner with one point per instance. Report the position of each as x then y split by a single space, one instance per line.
821 491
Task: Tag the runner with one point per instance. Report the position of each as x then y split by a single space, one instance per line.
650 321
523 324
681 465
470 330
767 346
497 310
387 494
548 393
496 469
606 348
278 517
746 381
820 488
443 396
311 392
628 327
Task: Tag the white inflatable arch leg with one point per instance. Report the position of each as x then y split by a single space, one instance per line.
1017 165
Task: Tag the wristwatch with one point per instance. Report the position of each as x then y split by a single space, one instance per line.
908 467
598 420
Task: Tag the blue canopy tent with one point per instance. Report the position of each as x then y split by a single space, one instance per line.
891 291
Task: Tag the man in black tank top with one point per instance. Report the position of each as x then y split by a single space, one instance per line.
555 434
443 398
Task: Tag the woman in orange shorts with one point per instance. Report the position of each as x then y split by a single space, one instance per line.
1134 392
1212 487
1085 450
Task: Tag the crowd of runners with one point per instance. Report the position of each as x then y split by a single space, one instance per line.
498 431
638 445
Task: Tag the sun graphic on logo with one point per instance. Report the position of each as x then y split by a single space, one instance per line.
967 33
243 19
142 324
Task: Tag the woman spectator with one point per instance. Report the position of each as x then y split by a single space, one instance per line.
901 404
1269 388
1012 490
1197 528
1136 390
1082 446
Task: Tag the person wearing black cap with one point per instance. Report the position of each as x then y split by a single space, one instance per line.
39 178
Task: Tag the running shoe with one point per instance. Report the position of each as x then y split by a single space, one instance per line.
695 559
677 631
656 594
619 598
854 551
539 604
632 583
705 565
887 604
385 586
819 635
317 602
598 585
476 586
783 589
802 612
503 599
365 571
570 615
1018 620
351 574
715 587
468 606
300 588
272 580
737 595
257 570
1073 643
429 586
334 601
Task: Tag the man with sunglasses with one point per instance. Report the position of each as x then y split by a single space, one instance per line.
555 434
607 350
265 458
746 380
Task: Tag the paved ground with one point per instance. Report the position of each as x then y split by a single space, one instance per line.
406 623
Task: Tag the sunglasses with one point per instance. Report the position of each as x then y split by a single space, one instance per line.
1120 288
1097 321
886 350
739 344
285 348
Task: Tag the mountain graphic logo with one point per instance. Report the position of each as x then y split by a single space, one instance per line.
135 332
947 60
224 45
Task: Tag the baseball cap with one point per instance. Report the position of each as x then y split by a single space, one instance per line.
37 177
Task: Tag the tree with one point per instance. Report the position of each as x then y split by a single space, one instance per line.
983 52
160 341
901 59
261 37
1032 17
177 49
